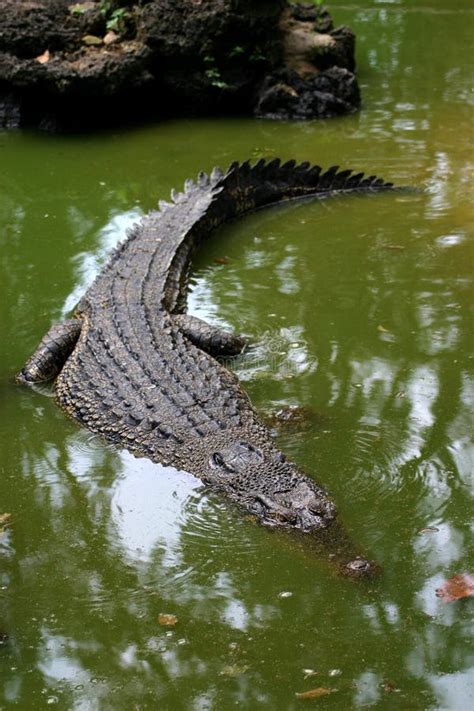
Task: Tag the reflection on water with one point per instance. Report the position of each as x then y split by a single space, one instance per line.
358 311
88 264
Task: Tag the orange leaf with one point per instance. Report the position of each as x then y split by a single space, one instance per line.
167 620
43 58
313 693
456 588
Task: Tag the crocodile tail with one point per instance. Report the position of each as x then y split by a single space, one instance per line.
264 183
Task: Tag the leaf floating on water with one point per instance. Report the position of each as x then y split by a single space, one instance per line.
221 260
429 529
382 329
43 58
262 152
167 620
456 588
314 693
389 686
233 670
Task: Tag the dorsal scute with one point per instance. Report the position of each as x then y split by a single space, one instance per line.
288 167
303 167
340 179
367 182
216 174
313 175
327 178
259 166
354 181
272 168
202 179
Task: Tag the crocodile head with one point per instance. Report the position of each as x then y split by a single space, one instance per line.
255 474
260 477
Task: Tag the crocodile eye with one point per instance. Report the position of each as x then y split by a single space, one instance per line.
216 460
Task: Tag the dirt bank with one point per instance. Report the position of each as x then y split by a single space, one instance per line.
65 64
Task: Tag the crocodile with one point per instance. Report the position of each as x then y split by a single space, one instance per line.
132 366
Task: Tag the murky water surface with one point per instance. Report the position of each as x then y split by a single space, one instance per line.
359 309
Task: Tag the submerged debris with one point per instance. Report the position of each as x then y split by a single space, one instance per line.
314 693
233 670
428 529
456 588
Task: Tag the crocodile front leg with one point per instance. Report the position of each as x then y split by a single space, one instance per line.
209 338
52 352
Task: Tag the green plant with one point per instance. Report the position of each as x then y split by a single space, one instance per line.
235 51
213 74
105 7
115 17
257 55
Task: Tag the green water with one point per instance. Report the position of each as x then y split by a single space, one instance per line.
359 309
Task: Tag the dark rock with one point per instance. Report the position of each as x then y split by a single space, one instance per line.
285 94
170 57
28 28
343 54
318 14
10 110
317 79
213 53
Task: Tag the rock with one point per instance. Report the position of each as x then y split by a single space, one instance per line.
317 79
285 94
110 38
213 54
92 40
26 28
317 14
81 7
304 44
43 58
10 111
173 56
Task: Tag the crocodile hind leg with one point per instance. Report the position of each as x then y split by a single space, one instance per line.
52 352
209 338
